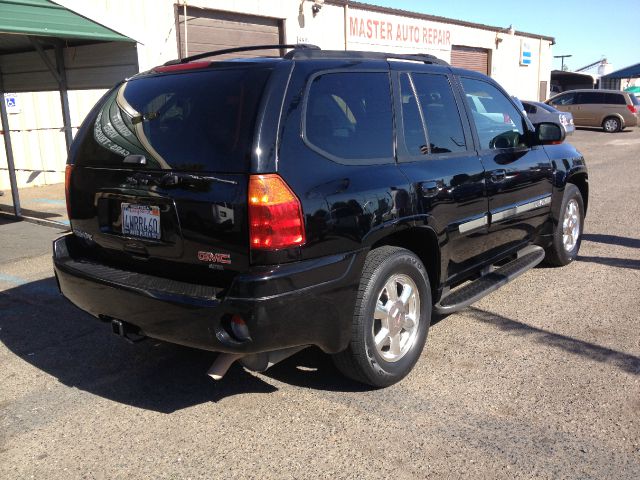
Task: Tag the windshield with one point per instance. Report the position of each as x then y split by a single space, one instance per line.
198 121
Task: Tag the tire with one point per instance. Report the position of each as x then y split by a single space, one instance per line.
567 235
401 331
611 124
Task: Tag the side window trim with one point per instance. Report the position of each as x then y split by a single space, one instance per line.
330 156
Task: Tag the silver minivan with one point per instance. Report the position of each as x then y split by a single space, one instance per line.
612 110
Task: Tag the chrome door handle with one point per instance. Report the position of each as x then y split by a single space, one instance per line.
498 175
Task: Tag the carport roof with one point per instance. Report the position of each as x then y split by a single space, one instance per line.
632 71
45 18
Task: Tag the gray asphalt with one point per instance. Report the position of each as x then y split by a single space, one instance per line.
539 380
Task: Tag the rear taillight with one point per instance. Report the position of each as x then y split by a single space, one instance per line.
632 108
275 214
67 185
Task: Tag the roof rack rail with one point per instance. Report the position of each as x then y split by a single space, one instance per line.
345 54
214 53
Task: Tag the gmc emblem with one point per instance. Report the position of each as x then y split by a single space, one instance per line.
224 258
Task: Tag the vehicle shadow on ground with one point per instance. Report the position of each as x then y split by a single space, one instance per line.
612 240
591 351
611 261
45 330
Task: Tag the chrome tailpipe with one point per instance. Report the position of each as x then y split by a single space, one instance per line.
222 363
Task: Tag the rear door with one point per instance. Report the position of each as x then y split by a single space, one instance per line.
159 176
435 151
518 175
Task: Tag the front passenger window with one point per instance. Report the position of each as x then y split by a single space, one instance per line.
498 122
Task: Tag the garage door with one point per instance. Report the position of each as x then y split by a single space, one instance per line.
471 58
208 30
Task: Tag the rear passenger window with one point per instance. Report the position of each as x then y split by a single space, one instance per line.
614 99
499 124
348 116
414 137
444 127
591 98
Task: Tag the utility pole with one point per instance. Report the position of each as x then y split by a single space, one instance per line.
562 57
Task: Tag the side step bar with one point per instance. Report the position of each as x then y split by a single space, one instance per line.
462 297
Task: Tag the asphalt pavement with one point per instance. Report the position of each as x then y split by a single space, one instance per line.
541 379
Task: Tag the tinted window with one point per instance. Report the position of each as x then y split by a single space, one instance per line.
566 99
189 121
444 128
499 124
634 99
614 99
530 108
414 136
548 108
590 98
349 115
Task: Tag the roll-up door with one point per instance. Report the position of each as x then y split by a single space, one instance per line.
471 58
208 30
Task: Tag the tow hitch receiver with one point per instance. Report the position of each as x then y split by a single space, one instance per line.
127 331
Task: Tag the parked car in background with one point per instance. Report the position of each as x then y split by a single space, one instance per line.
541 112
612 110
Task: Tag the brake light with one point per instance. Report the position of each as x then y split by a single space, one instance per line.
632 108
181 66
275 214
67 185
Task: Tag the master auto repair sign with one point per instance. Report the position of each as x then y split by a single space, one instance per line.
370 29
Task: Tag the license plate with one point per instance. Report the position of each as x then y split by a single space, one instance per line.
141 221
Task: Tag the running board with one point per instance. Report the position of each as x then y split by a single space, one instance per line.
458 299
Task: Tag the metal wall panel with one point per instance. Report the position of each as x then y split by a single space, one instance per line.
214 30
471 58
89 66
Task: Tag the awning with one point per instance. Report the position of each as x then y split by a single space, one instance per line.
45 18
632 71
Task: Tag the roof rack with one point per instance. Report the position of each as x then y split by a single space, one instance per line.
347 54
214 53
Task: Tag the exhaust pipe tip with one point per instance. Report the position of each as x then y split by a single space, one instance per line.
222 363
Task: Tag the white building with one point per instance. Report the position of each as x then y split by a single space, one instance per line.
154 31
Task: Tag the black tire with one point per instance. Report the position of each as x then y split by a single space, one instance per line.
362 361
557 254
612 124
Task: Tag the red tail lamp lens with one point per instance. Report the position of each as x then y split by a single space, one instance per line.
275 214
67 185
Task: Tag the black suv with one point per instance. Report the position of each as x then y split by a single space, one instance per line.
254 207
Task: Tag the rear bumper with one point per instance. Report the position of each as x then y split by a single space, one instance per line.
302 303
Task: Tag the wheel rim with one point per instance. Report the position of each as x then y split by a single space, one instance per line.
396 318
611 125
571 225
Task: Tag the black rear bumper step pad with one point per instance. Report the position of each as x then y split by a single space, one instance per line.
474 291
137 281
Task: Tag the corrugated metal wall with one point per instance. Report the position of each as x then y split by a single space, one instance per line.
36 129
89 66
471 58
214 30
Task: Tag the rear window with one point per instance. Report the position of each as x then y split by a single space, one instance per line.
634 99
615 99
197 121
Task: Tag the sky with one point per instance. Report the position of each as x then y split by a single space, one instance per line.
586 29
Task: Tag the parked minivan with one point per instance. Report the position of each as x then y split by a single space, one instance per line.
612 110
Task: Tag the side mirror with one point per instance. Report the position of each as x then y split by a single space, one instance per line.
548 133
